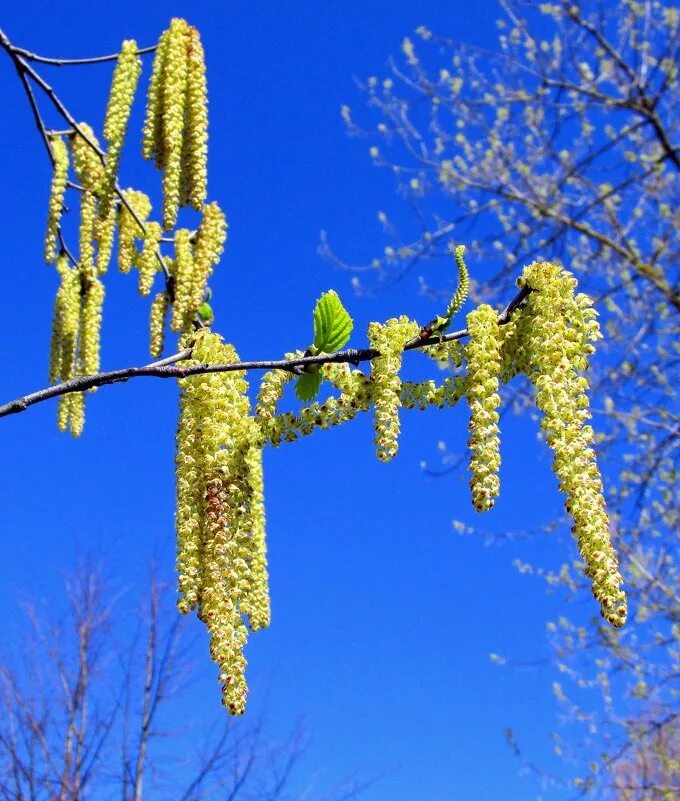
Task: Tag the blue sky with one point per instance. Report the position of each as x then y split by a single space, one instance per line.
383 618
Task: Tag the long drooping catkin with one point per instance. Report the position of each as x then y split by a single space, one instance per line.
57 191
558 334
484 365
176 125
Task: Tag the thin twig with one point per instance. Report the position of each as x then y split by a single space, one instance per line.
70 62
25 71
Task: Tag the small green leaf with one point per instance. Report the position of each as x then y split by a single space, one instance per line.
307 386
205 312
332 324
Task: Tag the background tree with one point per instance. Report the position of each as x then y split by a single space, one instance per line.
85 719
566 138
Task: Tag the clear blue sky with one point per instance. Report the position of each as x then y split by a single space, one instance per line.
383 618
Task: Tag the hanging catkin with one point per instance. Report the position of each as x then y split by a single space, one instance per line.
57 191
484 364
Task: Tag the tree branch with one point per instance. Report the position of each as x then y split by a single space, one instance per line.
70 62
25 71
165 368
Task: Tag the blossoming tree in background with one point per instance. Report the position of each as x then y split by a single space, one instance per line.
565 140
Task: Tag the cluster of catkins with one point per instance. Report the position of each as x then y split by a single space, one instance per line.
221 562
176 125
221 551
175 135
549 339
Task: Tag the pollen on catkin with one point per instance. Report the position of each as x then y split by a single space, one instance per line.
559 335
220 523
157 318
56 203
64 322
176 125
182 310
88 215
446 354
104 231
422 394
90 327
87 162
70 321
129 229
123 86
152 136
173 98
195 151
147 262
484 364
257 603
210 239
389 339
190 491
76 421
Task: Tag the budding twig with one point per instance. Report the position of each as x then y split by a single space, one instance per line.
165 368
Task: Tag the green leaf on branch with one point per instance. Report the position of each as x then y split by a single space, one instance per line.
332 324
307 386
205 312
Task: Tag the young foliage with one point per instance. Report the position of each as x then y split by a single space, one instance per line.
332 330
332 323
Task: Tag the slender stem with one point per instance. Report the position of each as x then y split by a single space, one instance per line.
166 368
70 62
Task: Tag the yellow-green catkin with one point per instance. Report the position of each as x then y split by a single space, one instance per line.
174 83
447 354
129 229
56 203
219 516
87 162
222 590
123 86
182 308
227 551
104 231
90 327
64 357
195 152
484 365
190 490
176 124
270 393
288 427
389 339
71 413
152 136
559 335
420 395
88 215
210 239
64 322
147 261
70 321
257 603
76 413
157 317
512 349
